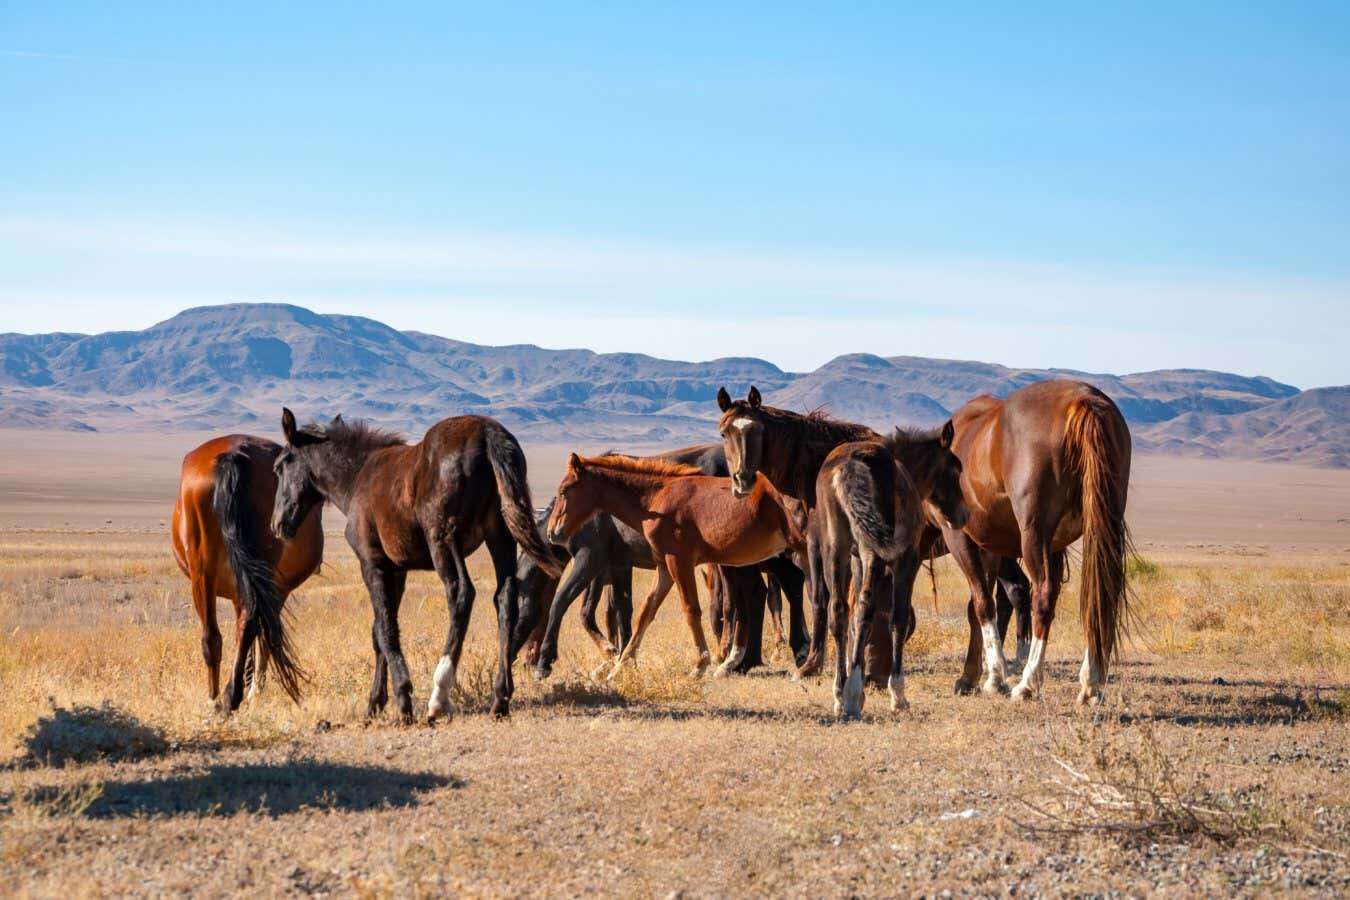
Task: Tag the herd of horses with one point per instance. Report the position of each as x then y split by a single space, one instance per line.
785 507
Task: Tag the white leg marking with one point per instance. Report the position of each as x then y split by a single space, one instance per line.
852 701
442 683
896 685
1090 679
731 662
995 670
1032 675
258 675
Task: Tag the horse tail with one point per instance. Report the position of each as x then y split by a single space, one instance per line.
868 505
1097 442
508 465
254 578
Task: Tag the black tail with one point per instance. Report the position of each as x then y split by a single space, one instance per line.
508 464
254 577
869 504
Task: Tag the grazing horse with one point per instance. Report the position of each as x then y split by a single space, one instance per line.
1044 466
602 556
222 544
421 506
790 449
687 518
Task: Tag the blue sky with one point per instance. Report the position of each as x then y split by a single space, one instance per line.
1026 184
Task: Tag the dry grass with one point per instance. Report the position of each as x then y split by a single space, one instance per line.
1228 764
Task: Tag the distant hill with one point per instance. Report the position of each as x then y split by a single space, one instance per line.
232 367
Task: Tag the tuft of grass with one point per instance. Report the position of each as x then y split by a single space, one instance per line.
1137 568
1120 780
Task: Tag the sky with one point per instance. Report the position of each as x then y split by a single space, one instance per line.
1051 185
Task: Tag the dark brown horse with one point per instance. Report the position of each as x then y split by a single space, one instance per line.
420 506
1044 466
790 448
868 507
688 519
223 545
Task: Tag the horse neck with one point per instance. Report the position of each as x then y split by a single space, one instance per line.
341 467
798 453
917 458
624 495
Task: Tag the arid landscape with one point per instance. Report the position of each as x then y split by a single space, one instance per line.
1219 763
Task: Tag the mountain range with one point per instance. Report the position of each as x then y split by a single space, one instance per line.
232 367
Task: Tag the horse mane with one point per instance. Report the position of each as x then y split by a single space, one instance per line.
816 425
906 436
635 466
356 438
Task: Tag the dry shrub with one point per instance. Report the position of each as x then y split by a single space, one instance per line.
1119 780
83 734
665 680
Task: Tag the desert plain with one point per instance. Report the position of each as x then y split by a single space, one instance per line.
1220 763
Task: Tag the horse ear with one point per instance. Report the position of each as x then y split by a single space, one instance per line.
723 399
948 434
754 397
573 462
337 420
288 425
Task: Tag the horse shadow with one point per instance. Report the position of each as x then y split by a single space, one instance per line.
267 789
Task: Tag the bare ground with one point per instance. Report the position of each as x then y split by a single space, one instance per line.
1218 764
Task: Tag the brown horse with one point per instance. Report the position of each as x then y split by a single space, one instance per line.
222 544
420 506
790 448
1044 466
687 518
868 507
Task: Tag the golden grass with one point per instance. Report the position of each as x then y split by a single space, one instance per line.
1237 659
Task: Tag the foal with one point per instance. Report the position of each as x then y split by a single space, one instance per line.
424 506
868 506
687 518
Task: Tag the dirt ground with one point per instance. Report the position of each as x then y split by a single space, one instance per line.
1219 763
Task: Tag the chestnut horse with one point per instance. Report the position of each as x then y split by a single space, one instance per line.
1046 465
687 518
422 506
222 544
868 507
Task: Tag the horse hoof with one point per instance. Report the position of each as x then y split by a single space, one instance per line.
993 687
1022 693
1090 697
899 704
501 709
541 674
963 688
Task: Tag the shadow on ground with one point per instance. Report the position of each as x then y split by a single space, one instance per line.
271 790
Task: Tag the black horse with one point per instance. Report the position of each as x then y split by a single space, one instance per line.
420 506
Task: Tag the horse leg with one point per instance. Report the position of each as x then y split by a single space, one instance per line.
385 582
448 561
1013 586
860 637
664 582
820 602
683 576
503 549
836 576
745 601
1043 569
906 569
983 616
791 579
621 603
379 685
531 621
245 633
204 602
590 604
773 601
584 569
